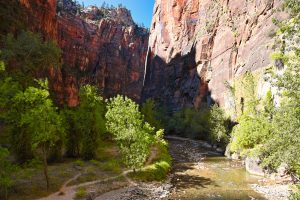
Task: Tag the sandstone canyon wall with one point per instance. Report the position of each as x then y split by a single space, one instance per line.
197 45
103 47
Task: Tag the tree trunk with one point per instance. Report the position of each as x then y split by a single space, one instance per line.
46 168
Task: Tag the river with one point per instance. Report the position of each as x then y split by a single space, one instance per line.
199 173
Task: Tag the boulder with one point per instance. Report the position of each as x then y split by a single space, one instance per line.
253 166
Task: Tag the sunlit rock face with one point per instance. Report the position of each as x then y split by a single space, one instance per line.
100 46
195 46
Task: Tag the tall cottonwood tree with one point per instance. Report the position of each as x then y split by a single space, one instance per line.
42 120
133 135
88 120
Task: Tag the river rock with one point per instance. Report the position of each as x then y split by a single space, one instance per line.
253 167
235 156
283 169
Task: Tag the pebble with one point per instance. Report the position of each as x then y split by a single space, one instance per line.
281 192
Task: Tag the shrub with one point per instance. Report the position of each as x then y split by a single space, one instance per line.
158 170
190 122
81 193
7 168
218 131
79 163
151 114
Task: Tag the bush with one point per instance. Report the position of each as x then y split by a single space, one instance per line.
158 170
296 193
218 131
190 122
81 193
151 114
7 168
79 163
111 165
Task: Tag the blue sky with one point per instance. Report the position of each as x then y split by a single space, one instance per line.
141 10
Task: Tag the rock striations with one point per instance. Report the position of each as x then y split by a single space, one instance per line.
195 46
100 46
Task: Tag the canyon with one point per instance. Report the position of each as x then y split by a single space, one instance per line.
100 46
194 48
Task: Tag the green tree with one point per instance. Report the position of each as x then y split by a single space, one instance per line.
27 56
43 121
254 127
190 122
133 135
218 130
11 113
92 116
284 145
151 114
7 168
89 122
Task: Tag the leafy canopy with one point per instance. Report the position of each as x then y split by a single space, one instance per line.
133 135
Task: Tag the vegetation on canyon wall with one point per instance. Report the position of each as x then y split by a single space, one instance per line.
273 132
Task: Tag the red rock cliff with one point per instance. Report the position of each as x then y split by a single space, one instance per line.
103 47
197 45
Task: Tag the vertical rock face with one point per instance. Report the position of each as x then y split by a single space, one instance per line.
105 51
195 46
100 46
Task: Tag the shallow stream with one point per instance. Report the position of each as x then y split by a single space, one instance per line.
199 173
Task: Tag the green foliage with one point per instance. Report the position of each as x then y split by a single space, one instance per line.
79 163
275 132
159 168
27 55
250 132
133 135
268 105
284 145
190 122
87 123
151 114
42 121
111 165
254 127
2 66
249 85
218 129
12 17
7 168
296 192
81 193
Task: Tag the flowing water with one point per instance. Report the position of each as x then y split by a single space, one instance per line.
199 173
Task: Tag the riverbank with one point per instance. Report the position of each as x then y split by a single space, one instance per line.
199 172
